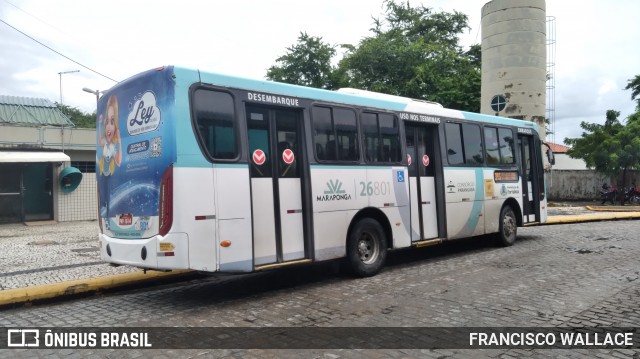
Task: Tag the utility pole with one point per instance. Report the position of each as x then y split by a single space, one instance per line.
62 73
62 128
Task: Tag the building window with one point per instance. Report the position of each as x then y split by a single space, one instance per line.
84 167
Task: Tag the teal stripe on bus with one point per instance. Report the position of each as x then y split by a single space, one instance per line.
478 202
270 87
505 121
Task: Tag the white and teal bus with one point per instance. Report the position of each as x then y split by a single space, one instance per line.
213 173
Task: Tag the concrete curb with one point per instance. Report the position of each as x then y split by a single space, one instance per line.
613 208
592 217
48 291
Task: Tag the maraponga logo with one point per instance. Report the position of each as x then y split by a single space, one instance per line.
334 192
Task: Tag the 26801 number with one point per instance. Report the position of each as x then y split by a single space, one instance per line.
375 188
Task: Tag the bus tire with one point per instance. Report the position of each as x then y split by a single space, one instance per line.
366 248
508 228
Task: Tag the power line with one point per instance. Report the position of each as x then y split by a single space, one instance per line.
35 17
59 53
72 37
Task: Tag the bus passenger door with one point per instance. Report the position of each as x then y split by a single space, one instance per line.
530 192
422 169
276 184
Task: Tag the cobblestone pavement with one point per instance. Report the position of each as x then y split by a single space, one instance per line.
52 253
585 274
44 254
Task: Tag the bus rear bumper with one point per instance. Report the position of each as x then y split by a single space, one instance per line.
157 252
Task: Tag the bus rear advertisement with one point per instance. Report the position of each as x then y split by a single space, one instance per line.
136 147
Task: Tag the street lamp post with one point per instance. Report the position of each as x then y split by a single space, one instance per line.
95 92
62 73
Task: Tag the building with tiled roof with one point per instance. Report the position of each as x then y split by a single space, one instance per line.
47 165
27 111
556 148
563 161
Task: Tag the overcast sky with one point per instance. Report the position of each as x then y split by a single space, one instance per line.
597 48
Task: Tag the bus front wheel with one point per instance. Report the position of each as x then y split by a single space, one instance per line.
366 248
508 230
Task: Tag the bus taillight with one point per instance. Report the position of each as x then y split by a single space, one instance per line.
99 217
165 203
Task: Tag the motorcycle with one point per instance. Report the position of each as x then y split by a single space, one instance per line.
608 194
632 195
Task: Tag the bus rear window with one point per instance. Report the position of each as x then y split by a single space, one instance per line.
215 123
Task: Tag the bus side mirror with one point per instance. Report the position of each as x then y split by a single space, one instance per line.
551 157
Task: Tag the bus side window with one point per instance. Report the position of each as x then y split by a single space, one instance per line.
454 144
506 146
472 142
370 133
320 151
330 152
323 133
346 130
499 146
390 138
215 123
381 135
491 145
336 134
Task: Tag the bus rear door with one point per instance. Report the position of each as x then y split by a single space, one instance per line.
275 149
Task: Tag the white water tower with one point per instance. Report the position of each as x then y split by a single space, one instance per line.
514 59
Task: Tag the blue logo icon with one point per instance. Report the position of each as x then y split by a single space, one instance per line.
400 176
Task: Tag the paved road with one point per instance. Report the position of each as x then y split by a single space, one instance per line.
45 254
571 275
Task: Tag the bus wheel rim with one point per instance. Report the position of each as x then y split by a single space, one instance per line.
368 249
508 225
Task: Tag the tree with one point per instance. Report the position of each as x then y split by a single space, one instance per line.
415 52
634 86
79 118
611 148
306 63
